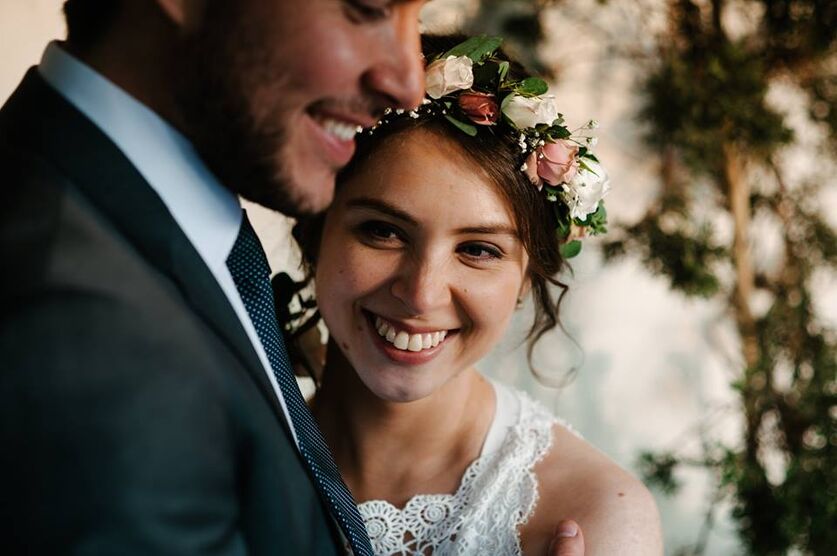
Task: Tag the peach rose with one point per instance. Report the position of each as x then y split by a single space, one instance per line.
557 162
576 232
481 108
530 168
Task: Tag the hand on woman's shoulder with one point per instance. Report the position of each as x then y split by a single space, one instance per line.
614 509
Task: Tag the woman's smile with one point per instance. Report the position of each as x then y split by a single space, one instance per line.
405 344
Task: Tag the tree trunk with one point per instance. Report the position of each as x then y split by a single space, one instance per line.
739 199
738 194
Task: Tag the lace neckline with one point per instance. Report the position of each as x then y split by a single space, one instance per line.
506 412
495 495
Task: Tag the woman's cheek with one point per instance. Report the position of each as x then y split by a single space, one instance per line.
492 303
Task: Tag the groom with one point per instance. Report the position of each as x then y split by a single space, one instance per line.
146 406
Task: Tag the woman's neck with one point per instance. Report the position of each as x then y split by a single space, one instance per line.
393 450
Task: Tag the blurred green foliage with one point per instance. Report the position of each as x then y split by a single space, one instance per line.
706 107
705 104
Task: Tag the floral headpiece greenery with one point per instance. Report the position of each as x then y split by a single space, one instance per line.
469 86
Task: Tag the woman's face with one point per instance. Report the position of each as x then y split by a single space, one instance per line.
419 268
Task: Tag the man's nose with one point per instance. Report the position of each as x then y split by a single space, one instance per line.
399 74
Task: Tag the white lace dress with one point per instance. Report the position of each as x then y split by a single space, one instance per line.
497 494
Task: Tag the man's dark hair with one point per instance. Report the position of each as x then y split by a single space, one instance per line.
88 20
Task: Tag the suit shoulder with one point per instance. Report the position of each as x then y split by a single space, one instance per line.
31 195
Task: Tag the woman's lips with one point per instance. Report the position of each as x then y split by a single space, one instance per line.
403 356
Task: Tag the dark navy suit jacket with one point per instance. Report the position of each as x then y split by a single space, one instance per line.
135 416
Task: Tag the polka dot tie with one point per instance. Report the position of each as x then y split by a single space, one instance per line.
251 273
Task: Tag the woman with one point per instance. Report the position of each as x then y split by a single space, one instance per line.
448 218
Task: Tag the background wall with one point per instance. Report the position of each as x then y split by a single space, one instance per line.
25 27
651 365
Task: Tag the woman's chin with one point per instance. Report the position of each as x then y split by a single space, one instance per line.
397 391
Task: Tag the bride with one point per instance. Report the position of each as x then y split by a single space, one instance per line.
449 217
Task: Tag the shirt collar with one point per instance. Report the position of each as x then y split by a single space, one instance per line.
207 212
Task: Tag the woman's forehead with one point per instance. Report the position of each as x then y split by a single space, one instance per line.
426 176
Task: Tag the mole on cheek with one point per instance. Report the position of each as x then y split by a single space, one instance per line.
345 346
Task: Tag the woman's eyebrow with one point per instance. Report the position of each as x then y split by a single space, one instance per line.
500 228
381 206
503 229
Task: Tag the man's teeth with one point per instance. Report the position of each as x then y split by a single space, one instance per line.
408 342
342 130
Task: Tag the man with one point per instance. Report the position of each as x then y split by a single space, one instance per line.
145 406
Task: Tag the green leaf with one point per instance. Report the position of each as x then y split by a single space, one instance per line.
595 223
476 48
485 78
504 70
583 166
571 249
558 132
563 230
467 128
600 216
532 87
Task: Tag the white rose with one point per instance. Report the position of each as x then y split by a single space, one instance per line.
586 190
527 112
451 74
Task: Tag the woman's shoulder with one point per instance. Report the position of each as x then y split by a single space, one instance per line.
617 513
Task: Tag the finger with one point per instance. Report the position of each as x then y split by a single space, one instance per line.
567 540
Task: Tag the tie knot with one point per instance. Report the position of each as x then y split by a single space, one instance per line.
247 259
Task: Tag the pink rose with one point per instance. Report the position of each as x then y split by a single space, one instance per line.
557 162
481 108
530 168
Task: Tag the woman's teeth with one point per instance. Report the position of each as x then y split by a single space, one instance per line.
342 130
408 342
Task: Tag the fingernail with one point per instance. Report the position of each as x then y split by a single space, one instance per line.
567 529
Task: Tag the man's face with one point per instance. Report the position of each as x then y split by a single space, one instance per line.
272 91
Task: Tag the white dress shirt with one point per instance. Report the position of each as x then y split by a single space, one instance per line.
207 212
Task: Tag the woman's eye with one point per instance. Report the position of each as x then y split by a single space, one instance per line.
370 10
480 251
379 231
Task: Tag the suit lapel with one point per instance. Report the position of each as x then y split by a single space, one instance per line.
38 118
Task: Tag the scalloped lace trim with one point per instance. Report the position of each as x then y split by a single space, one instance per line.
498 493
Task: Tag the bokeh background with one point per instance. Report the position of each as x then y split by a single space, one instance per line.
702 327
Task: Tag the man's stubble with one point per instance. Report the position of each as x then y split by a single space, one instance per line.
229 96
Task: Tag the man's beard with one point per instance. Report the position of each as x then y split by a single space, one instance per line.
221 63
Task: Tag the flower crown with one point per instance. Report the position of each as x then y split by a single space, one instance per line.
469 86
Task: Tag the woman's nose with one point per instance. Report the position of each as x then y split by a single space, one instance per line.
422 287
